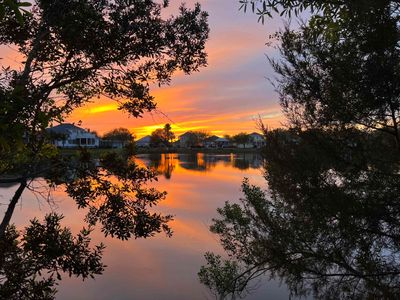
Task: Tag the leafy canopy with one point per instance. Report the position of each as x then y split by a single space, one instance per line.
71 52
331 9
74 51
327 226
33 261
241 138
119 134
13 7
344 75
162 137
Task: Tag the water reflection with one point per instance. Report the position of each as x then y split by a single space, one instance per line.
157 268
117 198
166 163
329 224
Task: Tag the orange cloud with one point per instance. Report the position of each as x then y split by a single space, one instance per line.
224 97
103 108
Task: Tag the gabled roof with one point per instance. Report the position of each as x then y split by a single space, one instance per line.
144 140
222 140
212 138
189 133
256 133
65 128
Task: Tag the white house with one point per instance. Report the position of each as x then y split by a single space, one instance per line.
222 143
210 142
258 140
70 136
216 142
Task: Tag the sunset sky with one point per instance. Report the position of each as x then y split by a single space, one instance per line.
224 98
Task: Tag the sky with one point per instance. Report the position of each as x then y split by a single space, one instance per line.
226 97
223 98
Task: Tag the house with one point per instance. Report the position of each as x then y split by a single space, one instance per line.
176 144
115 144
222 143
70 136
257 140
247 145
210 141
187 140
144 142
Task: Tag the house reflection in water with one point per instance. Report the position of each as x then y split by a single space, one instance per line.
166 163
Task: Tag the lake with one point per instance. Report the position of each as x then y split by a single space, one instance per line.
160 267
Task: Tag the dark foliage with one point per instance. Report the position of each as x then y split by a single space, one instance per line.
344 74
119 134
115 193
13 8
33 261
242 139
330 9
73 52
328 224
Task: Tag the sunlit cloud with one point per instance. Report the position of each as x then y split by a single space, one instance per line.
103 108
226 97
177 128
217 124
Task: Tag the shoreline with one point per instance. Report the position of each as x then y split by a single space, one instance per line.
99 151
198 150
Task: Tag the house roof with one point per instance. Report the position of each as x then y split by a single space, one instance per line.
256 134
221 140
189 133
65 128
144 140
212 138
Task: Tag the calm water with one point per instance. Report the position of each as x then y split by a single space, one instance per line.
161 267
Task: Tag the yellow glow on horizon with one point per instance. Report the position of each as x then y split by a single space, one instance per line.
220 125
105 116
177 128
103 108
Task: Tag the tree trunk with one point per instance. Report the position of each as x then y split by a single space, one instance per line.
11 207
394 113
397 136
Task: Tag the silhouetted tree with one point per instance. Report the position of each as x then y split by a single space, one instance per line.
13 8
169 135
340 67
327 226
241 139
158 139
119 135
345 75
32 262
196 138
72 52
162 137
228 137
330 10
